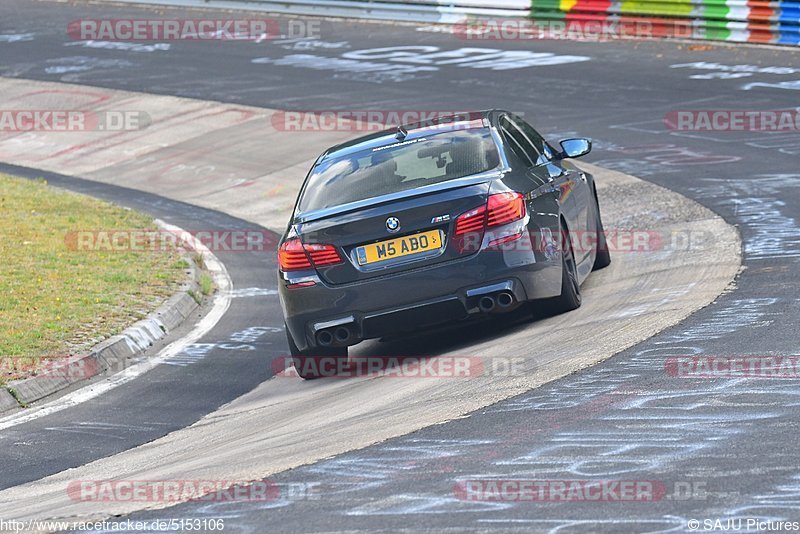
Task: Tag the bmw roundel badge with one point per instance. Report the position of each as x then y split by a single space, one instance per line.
393 224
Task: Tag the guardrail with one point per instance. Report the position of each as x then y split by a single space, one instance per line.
753 21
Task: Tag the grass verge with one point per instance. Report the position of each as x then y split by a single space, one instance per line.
56 301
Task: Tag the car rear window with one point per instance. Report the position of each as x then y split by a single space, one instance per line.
399 166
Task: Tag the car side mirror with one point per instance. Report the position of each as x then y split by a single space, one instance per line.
574 148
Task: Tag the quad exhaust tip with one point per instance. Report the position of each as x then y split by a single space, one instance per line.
505 299
486 304
342 334
325 338
499 301
338 335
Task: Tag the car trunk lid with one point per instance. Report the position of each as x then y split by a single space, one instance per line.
383 236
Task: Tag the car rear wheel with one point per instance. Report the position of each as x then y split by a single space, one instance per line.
316 362
570 297
602 256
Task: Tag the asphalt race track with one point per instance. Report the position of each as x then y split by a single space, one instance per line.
719 448
130 414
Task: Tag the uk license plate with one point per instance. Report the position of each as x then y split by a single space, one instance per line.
399 247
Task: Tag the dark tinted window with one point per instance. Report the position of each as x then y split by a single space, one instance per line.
399 166
515 140
543 152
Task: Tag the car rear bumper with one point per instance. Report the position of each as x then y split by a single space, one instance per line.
326 315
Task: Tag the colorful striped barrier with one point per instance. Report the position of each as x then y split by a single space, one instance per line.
746 21
754 21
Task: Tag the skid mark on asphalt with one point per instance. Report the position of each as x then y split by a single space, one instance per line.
757 203
104 430
250 292
647 432
405 63
640 430
243 340
782 501
650 159
306 43
117 45
783 142
71 64
16 37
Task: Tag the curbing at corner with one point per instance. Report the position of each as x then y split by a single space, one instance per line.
111 355
7 401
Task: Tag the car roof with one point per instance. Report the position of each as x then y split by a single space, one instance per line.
405 131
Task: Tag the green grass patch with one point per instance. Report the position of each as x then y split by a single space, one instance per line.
57 301
206 284
198 298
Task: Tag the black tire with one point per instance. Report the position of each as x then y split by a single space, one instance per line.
311 364
570 298
602 256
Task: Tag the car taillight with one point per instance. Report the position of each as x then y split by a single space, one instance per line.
471 221
323 254
504 208
294 256
500 209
